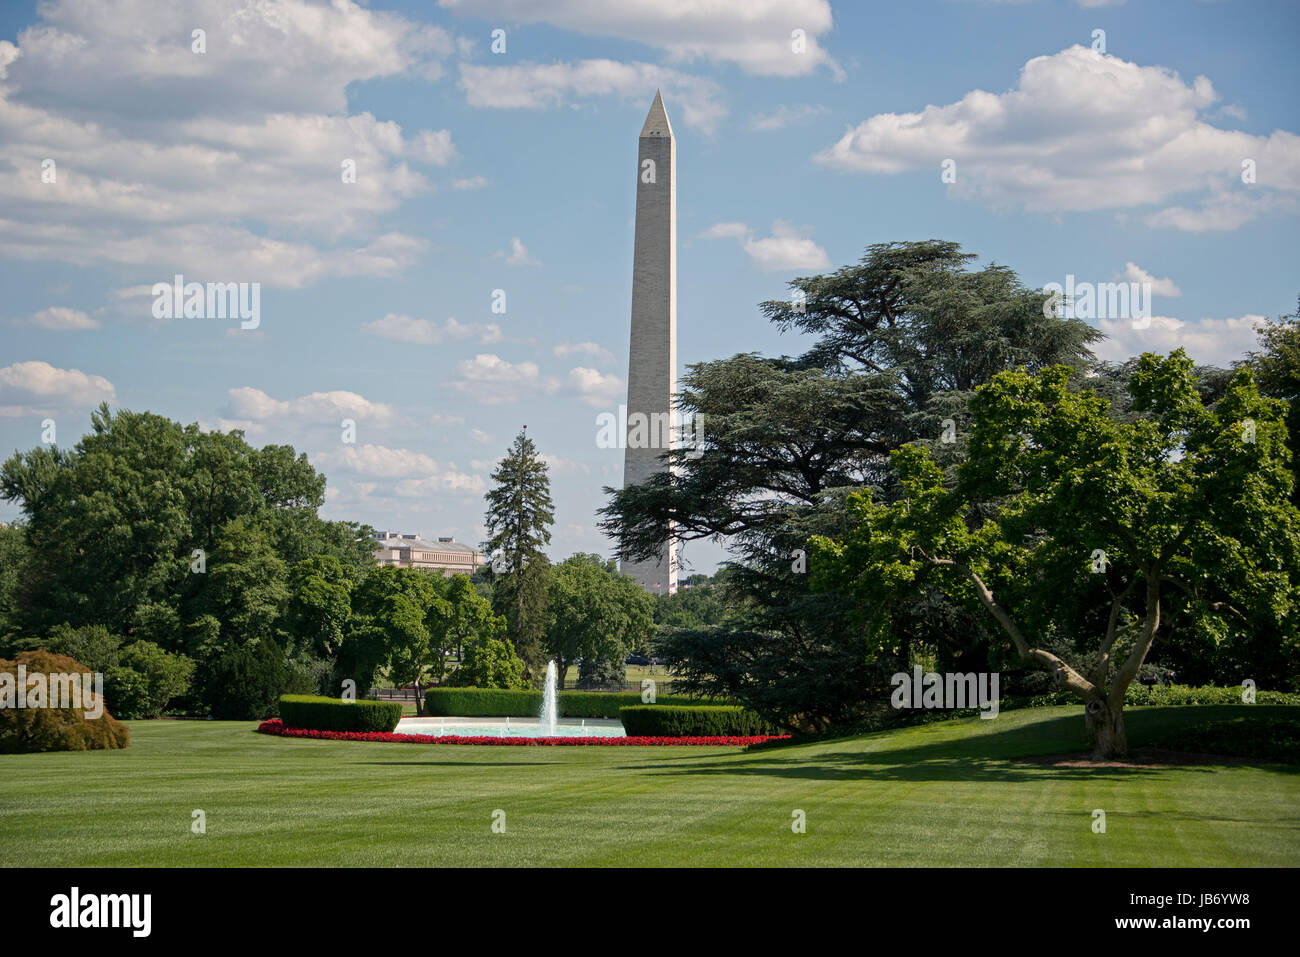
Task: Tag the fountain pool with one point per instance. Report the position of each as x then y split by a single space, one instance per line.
518 728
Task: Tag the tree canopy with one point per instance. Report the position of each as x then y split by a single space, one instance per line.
1080 536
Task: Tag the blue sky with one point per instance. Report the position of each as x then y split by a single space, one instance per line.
479 171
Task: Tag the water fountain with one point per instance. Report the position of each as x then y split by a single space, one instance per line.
550 708
547 723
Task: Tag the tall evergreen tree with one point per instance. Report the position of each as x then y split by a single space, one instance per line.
902 338
519 519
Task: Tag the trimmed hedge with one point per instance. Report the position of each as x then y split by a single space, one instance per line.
316 713
1146 696
491 702
609 704
482 702
667 721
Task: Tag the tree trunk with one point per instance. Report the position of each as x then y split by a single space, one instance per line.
1106 728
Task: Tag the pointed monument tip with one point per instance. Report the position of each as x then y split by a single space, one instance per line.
656 121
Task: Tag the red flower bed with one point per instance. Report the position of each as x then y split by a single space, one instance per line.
276 726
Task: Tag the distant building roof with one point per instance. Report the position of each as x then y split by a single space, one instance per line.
399 540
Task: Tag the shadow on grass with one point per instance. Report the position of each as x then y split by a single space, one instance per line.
979 755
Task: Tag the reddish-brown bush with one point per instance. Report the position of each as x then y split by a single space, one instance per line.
25 730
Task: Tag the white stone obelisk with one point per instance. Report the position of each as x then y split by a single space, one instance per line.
652 360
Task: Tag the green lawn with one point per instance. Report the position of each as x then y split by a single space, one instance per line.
941 794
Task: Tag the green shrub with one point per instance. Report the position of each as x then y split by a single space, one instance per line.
334 714
500 703
608 704
92 646
245 684
29 730
1144 695
128 690
601 673
667 721
309 676
146 679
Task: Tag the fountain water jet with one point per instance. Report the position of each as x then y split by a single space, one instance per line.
550 709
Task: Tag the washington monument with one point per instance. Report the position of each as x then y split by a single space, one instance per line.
652 359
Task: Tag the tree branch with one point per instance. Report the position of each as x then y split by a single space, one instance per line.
1139 653
1065 675
1103 657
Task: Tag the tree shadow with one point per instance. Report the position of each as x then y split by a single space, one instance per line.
1001 755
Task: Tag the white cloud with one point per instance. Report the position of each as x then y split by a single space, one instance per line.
30 388
1085 131
470 182
401 328
442 419
493 381
278 55
518 255
478 435
325 407
228 162
591 386
59 319
1159 287
753 34
447 481
559 465
1221 212
783 116
537 86
416 473
205 252
247 426
1210 341
596 351
786 248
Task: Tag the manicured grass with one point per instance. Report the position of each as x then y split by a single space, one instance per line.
940 794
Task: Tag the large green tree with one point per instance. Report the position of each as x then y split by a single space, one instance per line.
518 521
1076 533
901 338
320 603
594 613
170 534
393 609
469 616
